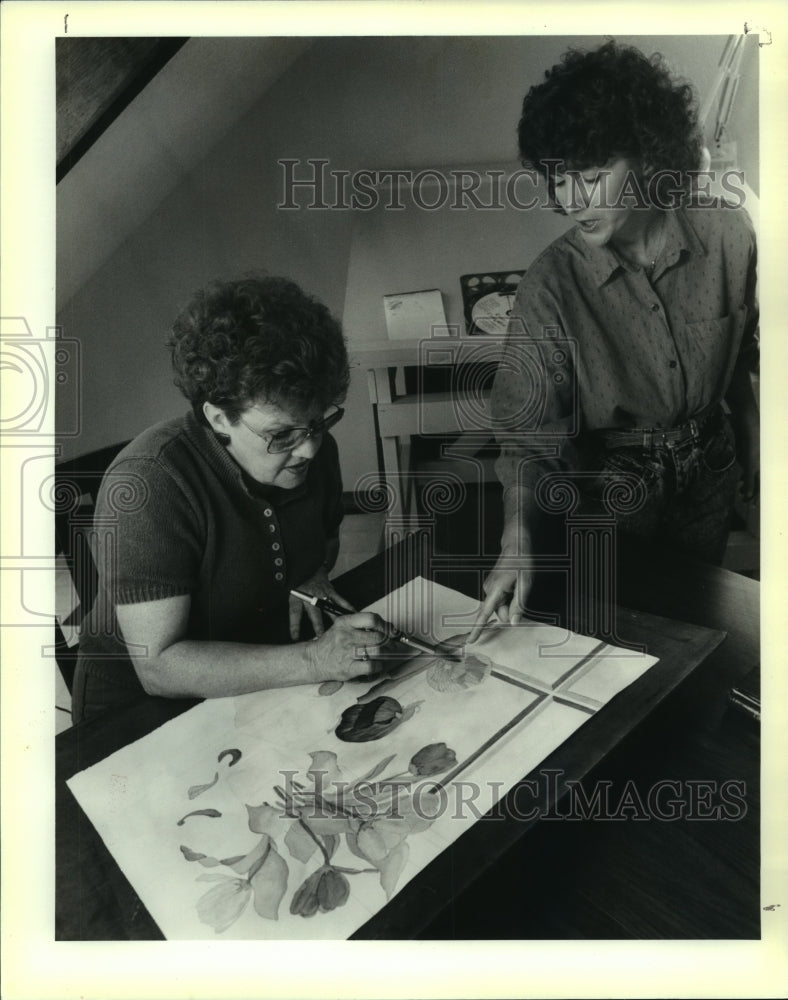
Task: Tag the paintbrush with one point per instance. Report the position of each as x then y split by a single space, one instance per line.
396 635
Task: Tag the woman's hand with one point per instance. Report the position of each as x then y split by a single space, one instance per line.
350 648
508 585
318 585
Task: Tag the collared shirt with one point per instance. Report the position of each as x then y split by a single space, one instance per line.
176 515
596 342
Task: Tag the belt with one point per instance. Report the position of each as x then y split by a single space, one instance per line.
670 439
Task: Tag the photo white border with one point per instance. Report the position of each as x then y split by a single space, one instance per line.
36 966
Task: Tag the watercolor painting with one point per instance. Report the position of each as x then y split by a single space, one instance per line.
374 815
298 813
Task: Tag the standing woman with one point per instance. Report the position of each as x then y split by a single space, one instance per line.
640 320
224 510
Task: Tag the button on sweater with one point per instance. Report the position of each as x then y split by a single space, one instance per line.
176 515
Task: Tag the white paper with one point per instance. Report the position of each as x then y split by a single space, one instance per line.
413 315
544 683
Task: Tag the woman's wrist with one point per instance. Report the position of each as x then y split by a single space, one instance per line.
311 660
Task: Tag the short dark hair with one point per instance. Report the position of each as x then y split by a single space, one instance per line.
258 338
612 101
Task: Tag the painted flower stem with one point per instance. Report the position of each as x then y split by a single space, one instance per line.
316 839
302 822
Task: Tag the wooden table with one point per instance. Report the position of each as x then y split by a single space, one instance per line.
556 877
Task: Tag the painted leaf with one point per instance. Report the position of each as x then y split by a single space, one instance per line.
392 831
299 843
351 839
191 855
452 675
328 688
331 843
325 773
263 819
234 755
410 711
414 666
212 813
371 843
196 790
420 815
331 825
375 799
391 868
249 861
376 770
205 860
269 884
222 905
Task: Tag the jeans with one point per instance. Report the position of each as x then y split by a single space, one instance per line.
683 498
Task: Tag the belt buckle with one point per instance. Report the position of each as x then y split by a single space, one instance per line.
689 440
692 439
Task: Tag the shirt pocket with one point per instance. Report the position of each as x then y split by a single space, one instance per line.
710 350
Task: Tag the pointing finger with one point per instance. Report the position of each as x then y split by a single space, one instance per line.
482 617
521 589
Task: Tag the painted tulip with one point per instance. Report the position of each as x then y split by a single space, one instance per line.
222 905
450 676
362 723
431 760
324 890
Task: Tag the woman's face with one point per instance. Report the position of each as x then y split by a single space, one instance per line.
249 440
604 202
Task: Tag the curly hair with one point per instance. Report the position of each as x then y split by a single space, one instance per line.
258 338
612 101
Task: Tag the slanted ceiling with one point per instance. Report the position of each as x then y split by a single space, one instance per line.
135 152
97 78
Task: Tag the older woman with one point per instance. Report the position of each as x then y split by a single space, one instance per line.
225 510
633 327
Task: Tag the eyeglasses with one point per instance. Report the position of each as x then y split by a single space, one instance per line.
292 437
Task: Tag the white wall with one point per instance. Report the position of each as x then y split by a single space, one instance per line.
361 103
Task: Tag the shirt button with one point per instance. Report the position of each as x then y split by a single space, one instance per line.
279 577
268 512
672 364
276 546
655 307
272 528
278 562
